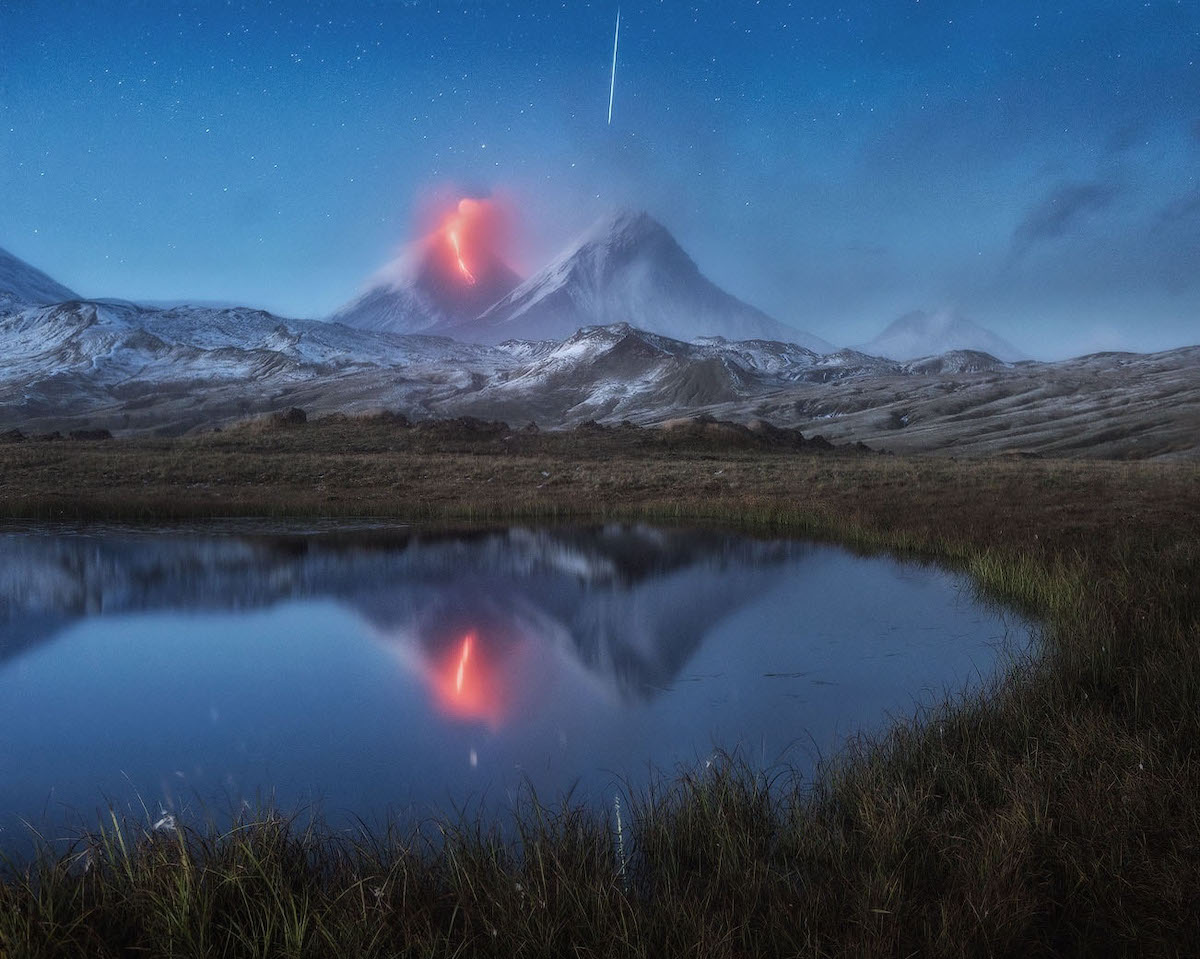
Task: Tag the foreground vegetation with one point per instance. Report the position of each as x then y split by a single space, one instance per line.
1060 814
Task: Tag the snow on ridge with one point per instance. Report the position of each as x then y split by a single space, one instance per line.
111 343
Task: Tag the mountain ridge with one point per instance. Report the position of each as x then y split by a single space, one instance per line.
120 366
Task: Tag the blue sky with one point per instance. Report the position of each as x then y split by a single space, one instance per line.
1035 166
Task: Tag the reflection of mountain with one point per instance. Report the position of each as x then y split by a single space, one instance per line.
629 604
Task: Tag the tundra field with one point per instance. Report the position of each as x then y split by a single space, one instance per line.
1059 813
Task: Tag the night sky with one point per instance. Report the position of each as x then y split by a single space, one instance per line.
1034 165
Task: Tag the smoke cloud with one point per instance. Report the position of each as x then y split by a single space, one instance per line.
1062 210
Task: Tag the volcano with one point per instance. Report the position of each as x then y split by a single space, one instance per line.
919 334
627 268
443 280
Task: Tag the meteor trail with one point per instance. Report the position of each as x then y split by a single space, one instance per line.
612 84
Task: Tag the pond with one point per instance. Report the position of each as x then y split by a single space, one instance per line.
381 671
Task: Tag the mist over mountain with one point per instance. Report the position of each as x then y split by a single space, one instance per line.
919 334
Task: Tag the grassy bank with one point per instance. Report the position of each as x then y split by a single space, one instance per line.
1059 815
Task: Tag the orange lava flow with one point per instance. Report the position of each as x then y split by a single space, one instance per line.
453 234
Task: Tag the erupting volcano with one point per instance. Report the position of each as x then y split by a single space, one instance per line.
627 268
442 281
458 226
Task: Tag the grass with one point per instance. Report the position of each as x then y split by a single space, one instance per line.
1057 814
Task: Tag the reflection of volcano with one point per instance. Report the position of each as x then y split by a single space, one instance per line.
471 655
627 605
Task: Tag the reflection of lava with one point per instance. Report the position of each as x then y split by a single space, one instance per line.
467 684
462 664
481 660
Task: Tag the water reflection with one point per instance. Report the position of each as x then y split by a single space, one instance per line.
391 668
629 603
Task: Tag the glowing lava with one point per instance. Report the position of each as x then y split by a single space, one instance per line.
456 245
459 224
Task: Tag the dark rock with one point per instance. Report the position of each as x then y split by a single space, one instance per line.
293 416
12 436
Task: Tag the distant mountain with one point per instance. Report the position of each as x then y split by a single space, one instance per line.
920 334
627 268
24 285
442 281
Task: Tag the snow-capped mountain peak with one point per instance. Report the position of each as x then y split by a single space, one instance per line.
626 268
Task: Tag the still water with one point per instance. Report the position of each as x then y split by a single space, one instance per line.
397 672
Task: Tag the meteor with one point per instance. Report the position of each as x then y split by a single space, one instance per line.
612 83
